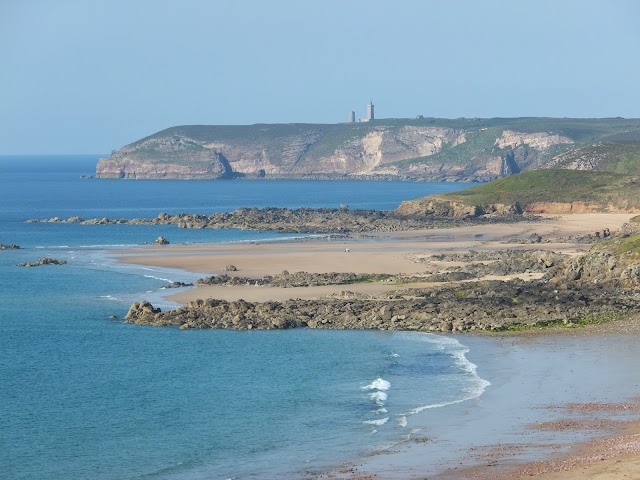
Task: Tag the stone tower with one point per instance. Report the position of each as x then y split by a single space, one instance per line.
370 114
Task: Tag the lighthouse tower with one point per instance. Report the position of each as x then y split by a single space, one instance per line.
370 114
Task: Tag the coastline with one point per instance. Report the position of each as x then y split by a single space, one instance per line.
396 253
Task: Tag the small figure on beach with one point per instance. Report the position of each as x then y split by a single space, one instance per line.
346 250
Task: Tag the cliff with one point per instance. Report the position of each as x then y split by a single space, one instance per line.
429 149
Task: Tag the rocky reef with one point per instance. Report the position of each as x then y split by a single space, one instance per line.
322 220
43 261
491 305
10 246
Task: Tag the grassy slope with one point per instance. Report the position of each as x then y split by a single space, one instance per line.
581 130
622 157
554 186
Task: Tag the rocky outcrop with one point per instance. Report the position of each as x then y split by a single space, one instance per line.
576 207
491 306
538 141
177 285
322 220
43 261
605 268
161 241
613 156
434 205
11 246
478 264
298 279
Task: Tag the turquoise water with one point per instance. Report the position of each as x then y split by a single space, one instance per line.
86 397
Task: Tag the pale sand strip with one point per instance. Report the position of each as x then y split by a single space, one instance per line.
381 253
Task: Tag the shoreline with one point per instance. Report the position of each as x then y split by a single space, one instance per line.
396 253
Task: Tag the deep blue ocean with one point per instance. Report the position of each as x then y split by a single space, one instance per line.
86 397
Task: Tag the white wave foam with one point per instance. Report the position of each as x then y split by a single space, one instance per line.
378 423
378 384
381 410
280 239
159 278
378 397
106 245
458 351
402 421
109 297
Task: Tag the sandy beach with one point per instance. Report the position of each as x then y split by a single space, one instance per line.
534 378
380 253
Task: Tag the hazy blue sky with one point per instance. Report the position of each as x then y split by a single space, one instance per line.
85 76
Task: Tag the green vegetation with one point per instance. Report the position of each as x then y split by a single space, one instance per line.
555 186
544 324
622 157
629 246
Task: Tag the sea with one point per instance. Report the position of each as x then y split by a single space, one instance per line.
85 396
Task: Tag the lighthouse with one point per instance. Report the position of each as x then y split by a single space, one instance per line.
370 114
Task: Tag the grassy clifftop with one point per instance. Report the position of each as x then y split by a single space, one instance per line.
603 190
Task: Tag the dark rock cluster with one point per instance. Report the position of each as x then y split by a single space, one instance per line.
303 220
298 279
43 261
492 306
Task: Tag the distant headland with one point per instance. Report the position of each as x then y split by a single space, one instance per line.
431 149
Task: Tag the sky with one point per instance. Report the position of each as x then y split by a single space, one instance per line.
79 76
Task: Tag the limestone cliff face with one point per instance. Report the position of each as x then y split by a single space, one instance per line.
429 149
291 151
538 141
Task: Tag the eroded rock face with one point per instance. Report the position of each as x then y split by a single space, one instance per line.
538 140
325 151
434 205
